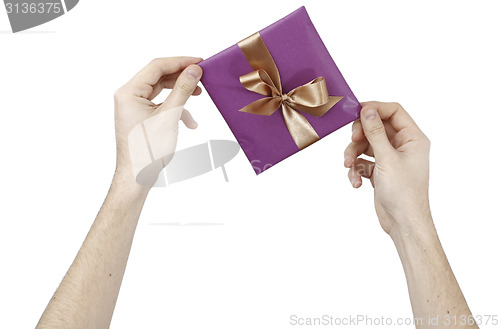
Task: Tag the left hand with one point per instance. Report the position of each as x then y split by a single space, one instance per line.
146 133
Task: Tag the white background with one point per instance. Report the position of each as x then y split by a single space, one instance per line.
295 240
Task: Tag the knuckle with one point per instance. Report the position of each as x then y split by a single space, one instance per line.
184 87
376 130
119 94
397 105
159 63
122 94
155 62
426 141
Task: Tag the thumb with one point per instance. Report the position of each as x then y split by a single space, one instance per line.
184 86
374 130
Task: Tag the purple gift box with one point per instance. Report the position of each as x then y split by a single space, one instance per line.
300 57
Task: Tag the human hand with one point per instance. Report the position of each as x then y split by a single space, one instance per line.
400 173
146 133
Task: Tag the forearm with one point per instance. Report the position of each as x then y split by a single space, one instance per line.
87 295
434 291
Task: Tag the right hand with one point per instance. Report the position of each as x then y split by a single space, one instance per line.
400 172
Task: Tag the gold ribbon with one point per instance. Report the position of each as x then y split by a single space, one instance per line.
311 98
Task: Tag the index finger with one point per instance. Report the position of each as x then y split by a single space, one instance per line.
394 113
159 67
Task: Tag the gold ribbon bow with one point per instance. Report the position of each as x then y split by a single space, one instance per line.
311 98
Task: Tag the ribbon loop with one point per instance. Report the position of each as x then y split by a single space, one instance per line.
259 82
312 94
311 98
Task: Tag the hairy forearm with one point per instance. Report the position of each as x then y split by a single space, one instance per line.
87 295
435 295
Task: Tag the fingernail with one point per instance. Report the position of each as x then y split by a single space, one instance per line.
370 114
193 72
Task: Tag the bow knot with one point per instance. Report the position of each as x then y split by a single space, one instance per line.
284 98
311 98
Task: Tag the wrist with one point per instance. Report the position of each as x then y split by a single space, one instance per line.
411 218
415 230
125 182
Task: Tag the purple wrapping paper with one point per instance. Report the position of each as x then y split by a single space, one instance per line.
300 56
